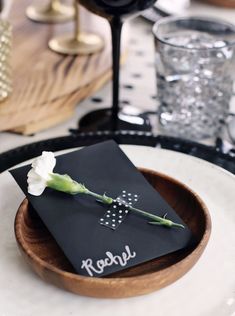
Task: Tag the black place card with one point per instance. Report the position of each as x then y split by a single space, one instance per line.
96 240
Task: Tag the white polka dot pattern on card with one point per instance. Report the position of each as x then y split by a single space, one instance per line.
119 210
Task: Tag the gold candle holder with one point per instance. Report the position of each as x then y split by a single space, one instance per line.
81 43
54 12
5 59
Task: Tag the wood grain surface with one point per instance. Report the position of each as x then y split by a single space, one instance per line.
45 83
45 257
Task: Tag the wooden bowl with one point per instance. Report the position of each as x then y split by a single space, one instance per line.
48 261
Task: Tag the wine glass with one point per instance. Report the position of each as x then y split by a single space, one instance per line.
82 43
53 12
116 12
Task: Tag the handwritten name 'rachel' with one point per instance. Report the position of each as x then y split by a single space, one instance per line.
110 260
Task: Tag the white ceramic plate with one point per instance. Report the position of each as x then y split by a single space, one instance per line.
206 290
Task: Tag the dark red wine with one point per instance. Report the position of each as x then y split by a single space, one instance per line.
110 8
116 11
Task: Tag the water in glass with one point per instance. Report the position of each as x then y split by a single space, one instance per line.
194 83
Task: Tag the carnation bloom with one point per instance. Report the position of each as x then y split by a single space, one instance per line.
40 174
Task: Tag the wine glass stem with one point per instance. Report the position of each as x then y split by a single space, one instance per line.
116 29
77 20
53 4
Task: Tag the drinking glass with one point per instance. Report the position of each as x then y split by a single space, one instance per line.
78 43
116 12
195 67
53 12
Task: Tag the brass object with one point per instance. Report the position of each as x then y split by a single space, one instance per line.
81 43
5 59
54 12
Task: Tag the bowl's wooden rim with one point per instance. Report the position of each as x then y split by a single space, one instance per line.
71 276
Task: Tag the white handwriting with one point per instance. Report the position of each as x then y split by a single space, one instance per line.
108 261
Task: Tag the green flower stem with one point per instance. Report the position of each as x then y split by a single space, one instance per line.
157 220
66 184
101 198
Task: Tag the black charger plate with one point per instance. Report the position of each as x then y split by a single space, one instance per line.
214 155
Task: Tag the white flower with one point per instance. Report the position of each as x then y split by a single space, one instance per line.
40 174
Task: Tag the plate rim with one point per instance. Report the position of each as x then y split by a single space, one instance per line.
191 157
200 160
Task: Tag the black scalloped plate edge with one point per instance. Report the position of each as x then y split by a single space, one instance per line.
20 154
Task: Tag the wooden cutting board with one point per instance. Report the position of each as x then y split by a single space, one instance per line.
46 85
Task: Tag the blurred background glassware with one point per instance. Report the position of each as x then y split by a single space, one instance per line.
5 52
231 128
195 68
116 12
83 43
53 12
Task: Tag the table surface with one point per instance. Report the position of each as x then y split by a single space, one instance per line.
138 89
137 80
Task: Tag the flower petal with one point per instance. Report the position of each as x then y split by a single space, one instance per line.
49 160
44 164
36 188
42 168
36 184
